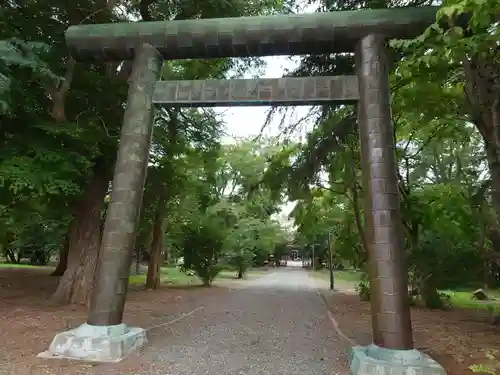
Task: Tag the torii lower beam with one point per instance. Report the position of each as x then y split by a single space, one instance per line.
257 92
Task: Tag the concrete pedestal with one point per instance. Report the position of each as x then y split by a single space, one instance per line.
96 343
373 360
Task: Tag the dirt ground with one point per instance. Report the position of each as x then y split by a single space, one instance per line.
28 322
456 338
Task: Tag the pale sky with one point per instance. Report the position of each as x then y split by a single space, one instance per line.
248 121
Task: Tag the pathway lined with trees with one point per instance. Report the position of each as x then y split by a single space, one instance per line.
273 324
276 324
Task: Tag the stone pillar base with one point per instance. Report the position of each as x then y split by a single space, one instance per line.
374 360
96 343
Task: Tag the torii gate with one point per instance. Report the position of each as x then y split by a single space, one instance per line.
105 337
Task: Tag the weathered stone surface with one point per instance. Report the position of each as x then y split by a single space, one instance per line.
108 298
105 338
391 319
374 360
96 343
312 33
480 295
255 92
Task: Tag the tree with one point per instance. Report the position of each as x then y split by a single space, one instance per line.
183 141
72 112
440 154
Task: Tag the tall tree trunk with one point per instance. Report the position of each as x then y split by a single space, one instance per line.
483 94
353 188
167 257
493 156
156 249
75 286
138 253
158 232
143 240
10 255
63 258
357 218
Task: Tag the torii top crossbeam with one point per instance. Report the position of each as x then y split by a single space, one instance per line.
313 33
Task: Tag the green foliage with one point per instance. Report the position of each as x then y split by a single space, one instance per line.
444 90
251 238
364 289
60 125
201 247
35 237
447 234
468 26
15 55
223 218
40 241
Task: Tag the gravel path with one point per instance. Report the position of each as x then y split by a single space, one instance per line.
276 324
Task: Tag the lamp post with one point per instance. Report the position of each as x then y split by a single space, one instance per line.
330 254
313 260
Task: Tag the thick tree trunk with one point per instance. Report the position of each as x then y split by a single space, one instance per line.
483 95
155 252
63 258
493 156
84 236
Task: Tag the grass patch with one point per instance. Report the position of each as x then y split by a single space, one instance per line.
252 273
347 275
463 299
22 265
353 276
169 276
174 276
137 279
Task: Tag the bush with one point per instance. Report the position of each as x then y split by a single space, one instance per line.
242 261
40 257
364 290
207 273
201 249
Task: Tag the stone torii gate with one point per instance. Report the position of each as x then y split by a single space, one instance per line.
104 337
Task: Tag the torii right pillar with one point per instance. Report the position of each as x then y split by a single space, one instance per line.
391 352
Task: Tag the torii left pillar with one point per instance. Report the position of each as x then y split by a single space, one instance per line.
104 338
